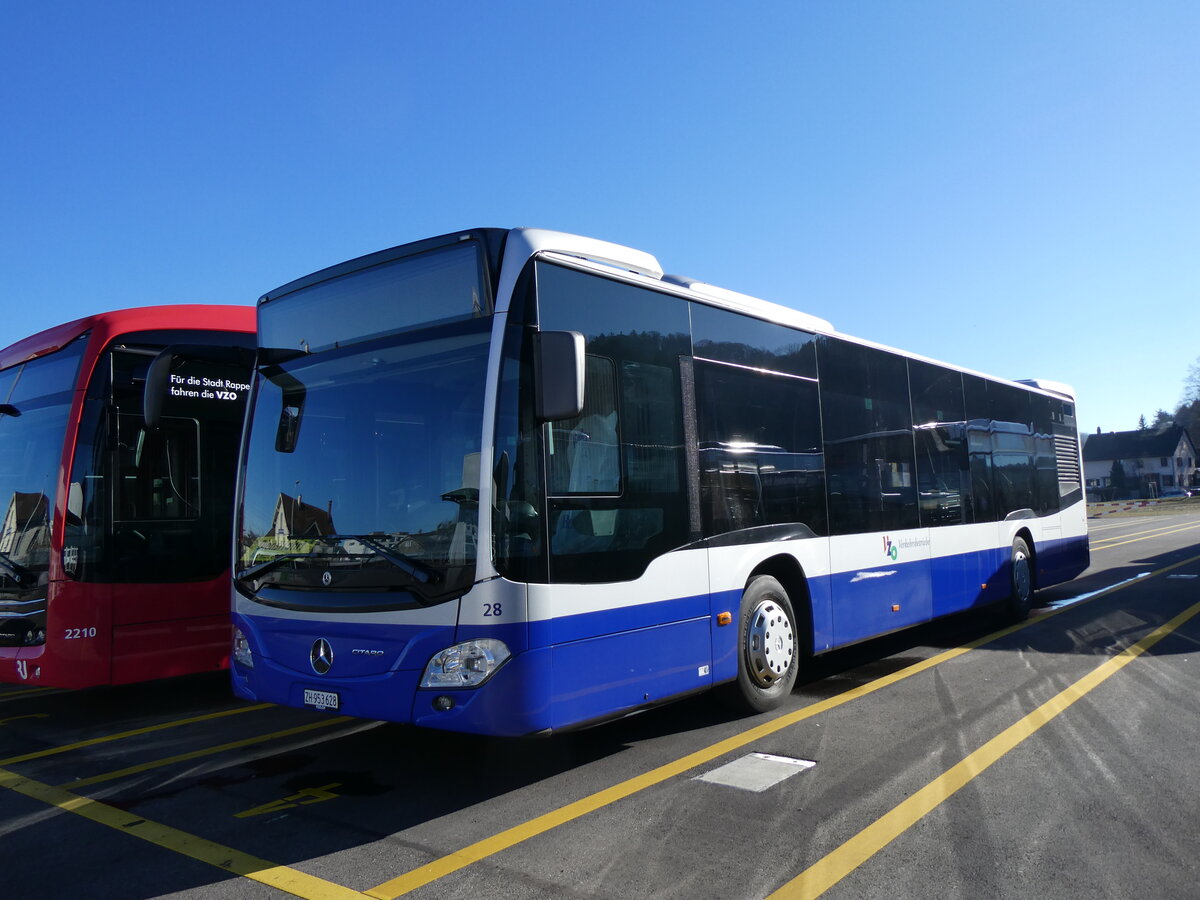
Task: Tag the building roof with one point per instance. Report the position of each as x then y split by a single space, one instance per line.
1141 444
299 519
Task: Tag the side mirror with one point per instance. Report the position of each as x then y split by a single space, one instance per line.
75 504
558 373
291 411
158 381
288 430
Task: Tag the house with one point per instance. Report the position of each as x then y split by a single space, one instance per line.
294 518
1123 464
25 533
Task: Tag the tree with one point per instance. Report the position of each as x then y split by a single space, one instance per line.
1191 384
1187 417
1117 478
1162 420
1141 423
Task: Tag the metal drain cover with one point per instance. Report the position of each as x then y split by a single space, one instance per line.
756 772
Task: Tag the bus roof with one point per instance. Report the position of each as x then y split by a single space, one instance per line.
508 250
107 325
641 267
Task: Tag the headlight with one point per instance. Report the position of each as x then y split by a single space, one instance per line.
465 665
242 653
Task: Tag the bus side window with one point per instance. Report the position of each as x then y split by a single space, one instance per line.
761 460
940 430
868 430
159 470
615 486
585 451
585 460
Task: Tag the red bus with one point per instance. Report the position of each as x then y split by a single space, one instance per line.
114 548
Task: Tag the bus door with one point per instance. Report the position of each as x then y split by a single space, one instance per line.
881 561
945 471
761 484
172 495
629 607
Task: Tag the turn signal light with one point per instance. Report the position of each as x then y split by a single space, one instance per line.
724 618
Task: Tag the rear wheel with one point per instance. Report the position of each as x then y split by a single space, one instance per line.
1020 600
768 647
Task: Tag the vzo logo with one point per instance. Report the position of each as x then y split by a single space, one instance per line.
890 550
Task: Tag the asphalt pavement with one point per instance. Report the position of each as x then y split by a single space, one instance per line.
966 758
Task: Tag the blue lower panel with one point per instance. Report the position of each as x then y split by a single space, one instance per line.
1062 560
879 600
969 580
605 676
725 637
387 696
863 601
515 701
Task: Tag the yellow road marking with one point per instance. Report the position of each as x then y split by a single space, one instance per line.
285 878
839 863
1154 529
1107 543
410 881
91 742
305 797
207 751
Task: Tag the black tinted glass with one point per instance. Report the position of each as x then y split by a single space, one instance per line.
869 455
440 285
761 461
727 337
634 341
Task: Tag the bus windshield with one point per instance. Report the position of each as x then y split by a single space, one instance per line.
362 470
36 399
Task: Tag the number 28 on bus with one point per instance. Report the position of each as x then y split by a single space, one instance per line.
518 481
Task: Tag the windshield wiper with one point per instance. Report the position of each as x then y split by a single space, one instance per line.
252 573
10 568
416 569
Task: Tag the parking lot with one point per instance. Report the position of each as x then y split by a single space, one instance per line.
963 758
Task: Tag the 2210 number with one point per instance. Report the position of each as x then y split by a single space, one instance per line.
76 634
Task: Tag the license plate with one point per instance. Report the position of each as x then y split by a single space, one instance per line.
321 699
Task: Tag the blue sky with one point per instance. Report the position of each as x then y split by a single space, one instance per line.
1013 187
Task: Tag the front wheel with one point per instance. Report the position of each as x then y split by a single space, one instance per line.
768 647
1020 600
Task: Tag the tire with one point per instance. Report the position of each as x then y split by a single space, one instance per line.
1020 599
768 648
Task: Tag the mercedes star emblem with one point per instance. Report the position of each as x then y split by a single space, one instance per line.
327 578
321 656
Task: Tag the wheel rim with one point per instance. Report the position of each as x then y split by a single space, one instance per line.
770 643
1022 581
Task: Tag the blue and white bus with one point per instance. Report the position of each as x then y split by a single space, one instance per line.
517 481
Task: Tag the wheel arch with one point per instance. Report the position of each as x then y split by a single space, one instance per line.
1025 535
789 573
